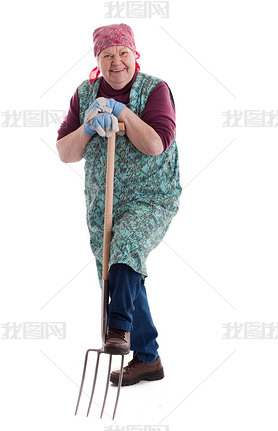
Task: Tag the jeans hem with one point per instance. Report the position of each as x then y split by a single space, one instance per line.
124 326
146 358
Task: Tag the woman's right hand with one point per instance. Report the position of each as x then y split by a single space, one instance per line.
103 124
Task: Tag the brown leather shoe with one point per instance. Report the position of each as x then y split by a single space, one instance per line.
117 342
137 370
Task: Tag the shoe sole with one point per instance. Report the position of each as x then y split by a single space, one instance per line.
158 375
115 351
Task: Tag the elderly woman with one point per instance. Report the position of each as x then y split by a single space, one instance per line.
146 185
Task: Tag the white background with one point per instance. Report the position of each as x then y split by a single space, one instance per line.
218 262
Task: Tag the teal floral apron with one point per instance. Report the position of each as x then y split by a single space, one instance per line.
146 188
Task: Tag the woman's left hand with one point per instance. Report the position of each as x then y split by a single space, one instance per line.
116 107
102 105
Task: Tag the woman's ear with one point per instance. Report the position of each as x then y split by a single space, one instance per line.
98 62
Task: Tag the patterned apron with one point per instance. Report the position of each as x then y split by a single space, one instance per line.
146 188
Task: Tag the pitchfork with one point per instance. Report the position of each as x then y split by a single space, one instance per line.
105 285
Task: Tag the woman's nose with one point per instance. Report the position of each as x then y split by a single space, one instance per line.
116 59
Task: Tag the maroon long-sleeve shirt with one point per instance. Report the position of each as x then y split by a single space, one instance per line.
159 112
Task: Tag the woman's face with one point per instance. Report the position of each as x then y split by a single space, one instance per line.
117 65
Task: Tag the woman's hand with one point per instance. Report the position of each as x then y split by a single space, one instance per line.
116 107
101 115
102 105
103 124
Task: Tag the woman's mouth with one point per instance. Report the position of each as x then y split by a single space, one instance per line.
117 70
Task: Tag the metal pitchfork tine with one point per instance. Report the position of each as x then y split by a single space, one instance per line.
105 286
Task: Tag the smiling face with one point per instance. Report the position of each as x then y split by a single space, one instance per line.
117 65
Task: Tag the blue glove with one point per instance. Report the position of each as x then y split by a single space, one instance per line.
103 124
116 107
102 105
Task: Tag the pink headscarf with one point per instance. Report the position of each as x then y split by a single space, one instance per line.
112 35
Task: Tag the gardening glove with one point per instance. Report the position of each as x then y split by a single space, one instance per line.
101 105
97 107
117 108
103 124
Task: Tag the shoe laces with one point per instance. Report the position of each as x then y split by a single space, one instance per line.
118 332
133 363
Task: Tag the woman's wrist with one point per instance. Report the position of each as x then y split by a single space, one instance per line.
123 115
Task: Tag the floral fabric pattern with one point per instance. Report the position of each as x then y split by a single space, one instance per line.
146 188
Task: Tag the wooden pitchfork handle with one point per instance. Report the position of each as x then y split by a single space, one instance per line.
105 279
108 227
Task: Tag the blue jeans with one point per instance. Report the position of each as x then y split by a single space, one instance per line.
129 310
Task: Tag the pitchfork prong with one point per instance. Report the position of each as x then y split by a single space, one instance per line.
82 379
119 386
107 385
94 383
